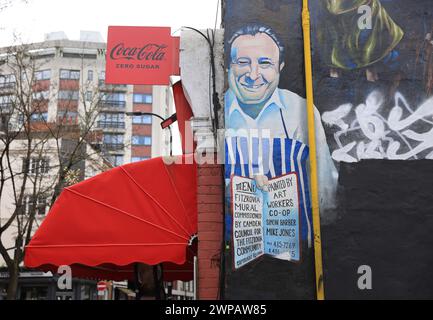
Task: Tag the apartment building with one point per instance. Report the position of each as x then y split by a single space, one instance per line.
70 79
66 81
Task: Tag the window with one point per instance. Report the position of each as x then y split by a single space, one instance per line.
34 293
3 292
43 75
41 95
4 121
6 101
112 117
36 165
101 81
116 117
69 74
142 98
137 159
113 101
79 55
141 140
86 292
113 138
68 95
144 119
43 56
111 120
89 96
39 165
114 97
90 75
35 205
39 117
67 117
7 81
116 160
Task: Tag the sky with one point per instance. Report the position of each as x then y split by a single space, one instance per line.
32 20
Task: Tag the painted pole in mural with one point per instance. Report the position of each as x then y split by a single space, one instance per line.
320 292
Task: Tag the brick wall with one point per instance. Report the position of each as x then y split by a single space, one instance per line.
210 227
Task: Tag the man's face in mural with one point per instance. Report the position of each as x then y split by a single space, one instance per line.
255 69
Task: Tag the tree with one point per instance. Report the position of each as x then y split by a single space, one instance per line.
39 155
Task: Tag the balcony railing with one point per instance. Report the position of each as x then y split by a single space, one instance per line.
113 146
111 124
112 105
111 87
7 85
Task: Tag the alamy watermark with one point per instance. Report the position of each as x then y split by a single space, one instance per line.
64 282
365 281
211 149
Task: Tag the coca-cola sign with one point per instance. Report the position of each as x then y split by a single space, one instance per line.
141 55
150 51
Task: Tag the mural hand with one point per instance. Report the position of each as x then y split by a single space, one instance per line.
262 182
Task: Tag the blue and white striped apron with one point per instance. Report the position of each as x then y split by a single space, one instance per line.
271 157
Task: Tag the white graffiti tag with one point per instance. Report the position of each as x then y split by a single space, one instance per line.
382 138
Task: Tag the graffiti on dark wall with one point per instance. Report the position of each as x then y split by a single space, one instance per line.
379 137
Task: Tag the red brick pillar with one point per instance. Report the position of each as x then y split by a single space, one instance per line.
210 227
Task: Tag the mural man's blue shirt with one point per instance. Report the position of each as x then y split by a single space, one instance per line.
290 104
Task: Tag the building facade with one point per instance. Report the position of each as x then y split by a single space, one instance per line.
69 79
55 94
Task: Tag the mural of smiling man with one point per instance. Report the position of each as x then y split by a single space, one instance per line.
267 153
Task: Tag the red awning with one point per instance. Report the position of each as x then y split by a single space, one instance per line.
143 212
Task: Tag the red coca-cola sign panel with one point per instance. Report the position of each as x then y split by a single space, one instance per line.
141 55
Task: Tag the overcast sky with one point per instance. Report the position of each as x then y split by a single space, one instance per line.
33 20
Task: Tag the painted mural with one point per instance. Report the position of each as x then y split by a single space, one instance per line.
382 115
346 45
268 212
373 82
267 151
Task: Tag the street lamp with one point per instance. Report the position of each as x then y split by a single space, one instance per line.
165 123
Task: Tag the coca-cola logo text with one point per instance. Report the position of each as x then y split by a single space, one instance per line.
151 51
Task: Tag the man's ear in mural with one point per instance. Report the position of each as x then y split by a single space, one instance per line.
282 65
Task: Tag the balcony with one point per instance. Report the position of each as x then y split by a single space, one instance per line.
111 125
111 105
111 87
7 87
113 146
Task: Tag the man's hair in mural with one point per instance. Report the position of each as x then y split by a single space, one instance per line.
253 29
